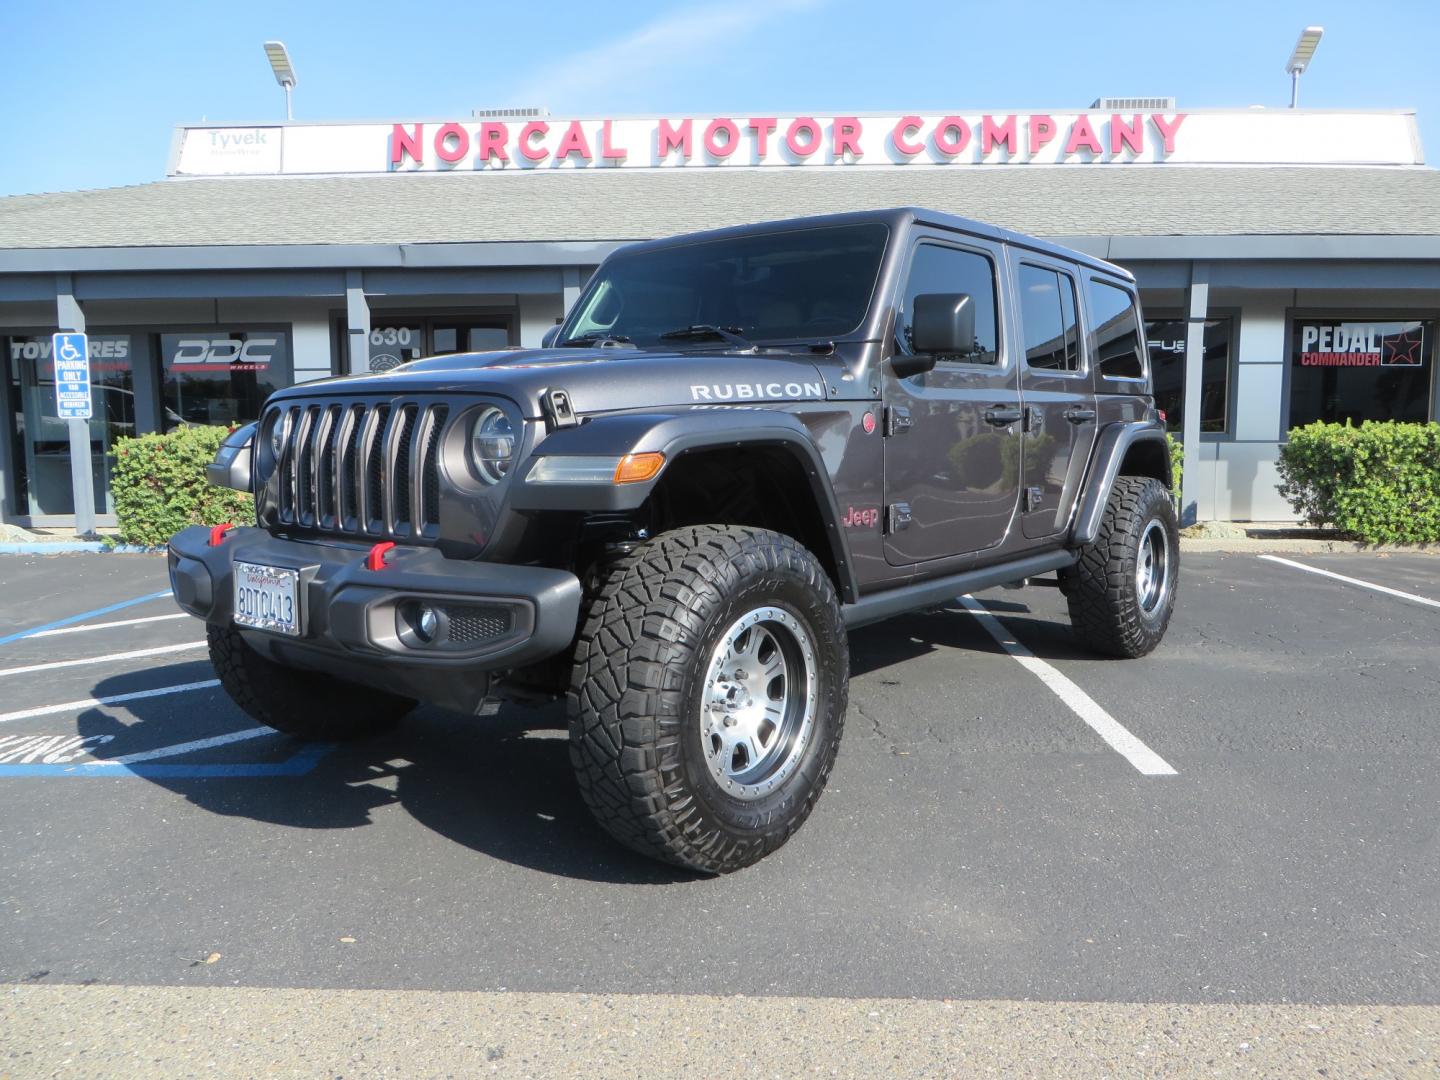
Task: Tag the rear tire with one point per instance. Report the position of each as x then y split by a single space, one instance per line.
708 695
1122 591
306 704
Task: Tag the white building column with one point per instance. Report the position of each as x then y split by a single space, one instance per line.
356 360
69 316
1197 304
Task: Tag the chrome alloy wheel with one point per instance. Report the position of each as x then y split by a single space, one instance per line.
1152 566
757 707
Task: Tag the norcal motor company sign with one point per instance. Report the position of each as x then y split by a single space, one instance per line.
1086 138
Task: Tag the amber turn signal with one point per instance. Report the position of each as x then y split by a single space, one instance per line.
635 468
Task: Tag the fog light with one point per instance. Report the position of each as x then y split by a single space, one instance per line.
427 622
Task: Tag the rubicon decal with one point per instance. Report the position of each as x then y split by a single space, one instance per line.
755 391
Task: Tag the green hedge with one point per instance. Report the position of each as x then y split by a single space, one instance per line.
159 486
1378 483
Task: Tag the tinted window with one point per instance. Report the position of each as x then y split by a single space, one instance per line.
937 269
1047 308
1165 339
797 285
1118 348
222 376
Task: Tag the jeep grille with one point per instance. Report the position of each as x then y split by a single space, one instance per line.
365 469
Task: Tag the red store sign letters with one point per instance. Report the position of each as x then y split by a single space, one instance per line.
769 140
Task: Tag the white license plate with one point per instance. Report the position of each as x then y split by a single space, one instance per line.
268 598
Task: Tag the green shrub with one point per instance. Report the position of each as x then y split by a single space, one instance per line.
159 486
1177 463
1378 483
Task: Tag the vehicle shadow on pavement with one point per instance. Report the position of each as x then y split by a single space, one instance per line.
501 786
908 637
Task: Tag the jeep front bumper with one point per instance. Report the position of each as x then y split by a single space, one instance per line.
355 622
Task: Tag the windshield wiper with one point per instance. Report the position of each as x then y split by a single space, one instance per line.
729 334
595 339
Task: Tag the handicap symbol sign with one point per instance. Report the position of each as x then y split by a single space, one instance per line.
72 376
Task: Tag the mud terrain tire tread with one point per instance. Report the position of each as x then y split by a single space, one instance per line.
640 648
308 705
1100 588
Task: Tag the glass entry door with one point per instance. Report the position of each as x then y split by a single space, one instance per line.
397 339
41 451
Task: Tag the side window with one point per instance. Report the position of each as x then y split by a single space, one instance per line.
1047 310
935 268
1119 349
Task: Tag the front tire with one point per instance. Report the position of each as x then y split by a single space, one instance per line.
1121 592
306 704
708 695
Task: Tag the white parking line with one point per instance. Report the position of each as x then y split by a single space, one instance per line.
109 625
116 699
1079 702
186 747
109 657
1354 581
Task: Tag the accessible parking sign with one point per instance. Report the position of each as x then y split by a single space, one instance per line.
72 376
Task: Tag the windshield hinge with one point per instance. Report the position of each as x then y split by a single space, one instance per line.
558 410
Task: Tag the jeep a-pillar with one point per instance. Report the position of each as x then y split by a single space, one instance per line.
739 445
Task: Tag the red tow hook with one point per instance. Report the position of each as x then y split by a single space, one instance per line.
376 559
217 534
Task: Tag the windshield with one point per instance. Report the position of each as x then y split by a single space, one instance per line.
800 285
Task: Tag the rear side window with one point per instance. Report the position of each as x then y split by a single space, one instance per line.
1119 349
1047 310
939 269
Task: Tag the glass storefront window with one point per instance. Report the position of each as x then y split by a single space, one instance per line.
1360 369
1166 341
222 377
41 440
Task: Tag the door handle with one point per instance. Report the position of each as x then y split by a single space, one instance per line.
1003 415
1079 416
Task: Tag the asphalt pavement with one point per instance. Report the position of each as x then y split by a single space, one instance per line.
991 832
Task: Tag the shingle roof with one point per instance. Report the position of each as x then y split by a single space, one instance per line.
633 204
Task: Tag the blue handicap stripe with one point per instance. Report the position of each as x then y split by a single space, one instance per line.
82 617
302 763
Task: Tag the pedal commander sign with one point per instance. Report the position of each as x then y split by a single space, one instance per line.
1252 136
1358 344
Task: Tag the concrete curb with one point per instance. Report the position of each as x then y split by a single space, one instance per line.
1252 545
76 547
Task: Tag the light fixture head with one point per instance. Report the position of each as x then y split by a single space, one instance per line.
279 58
1304 49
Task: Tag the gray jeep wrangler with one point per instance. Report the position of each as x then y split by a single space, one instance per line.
739 446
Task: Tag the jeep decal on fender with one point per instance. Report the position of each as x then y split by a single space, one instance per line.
753 391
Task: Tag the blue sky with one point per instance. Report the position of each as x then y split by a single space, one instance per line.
91 91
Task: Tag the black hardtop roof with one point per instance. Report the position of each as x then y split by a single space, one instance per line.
896 218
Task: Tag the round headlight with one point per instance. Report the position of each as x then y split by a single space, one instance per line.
279 432
492 445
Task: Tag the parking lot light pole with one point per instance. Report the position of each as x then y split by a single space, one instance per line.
1300 58
279 58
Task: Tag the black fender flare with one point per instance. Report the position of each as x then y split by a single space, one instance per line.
1110 450
675 434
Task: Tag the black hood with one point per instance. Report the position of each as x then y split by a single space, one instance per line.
606 379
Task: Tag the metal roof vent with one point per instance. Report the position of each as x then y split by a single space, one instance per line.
1130 104
506 114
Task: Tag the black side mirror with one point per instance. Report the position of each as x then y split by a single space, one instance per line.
549 337
943 324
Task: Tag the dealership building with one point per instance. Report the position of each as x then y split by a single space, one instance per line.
1288 260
